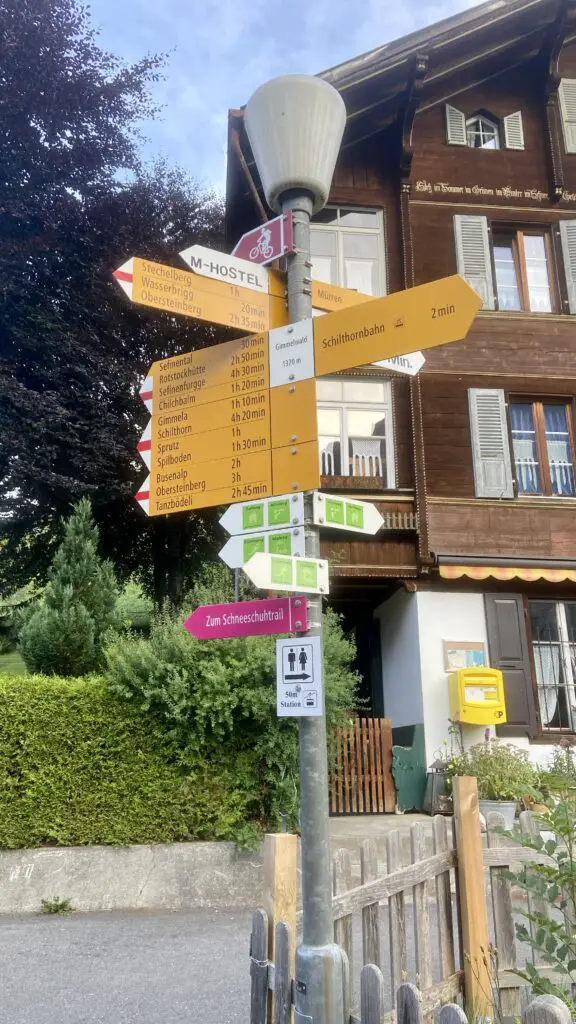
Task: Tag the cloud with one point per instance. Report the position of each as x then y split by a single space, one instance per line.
221 50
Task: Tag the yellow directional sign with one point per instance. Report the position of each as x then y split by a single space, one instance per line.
330 298
418 318
231 369
209 444
178 291
220 433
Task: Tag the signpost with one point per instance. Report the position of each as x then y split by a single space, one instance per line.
275 572
237 421
267 242
248 618
299 684
178 291
346 514
238 550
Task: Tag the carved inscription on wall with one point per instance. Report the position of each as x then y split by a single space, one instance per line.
479 191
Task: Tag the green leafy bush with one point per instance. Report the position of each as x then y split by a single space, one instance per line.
551 935
503 771
11 608
63 634
134 609
80 766
221 694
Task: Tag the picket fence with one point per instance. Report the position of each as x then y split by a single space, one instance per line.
272 985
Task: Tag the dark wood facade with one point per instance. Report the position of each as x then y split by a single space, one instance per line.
497 61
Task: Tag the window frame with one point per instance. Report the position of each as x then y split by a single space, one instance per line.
545 733
387 483
538 404
493 123
340 229
517 233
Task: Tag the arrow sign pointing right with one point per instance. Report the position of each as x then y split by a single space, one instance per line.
276 572
423 317
346 514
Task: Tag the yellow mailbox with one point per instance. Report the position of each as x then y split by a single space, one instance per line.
477 696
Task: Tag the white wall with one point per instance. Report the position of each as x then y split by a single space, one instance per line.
401 670
444 615
413 628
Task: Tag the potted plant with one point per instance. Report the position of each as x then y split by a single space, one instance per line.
504 774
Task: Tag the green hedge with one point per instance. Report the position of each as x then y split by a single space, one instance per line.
80 766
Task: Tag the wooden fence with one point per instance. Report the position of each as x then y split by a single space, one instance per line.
438 914
361 781
276 980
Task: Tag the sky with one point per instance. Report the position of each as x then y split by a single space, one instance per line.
219 51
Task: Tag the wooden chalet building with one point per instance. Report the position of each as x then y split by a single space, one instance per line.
459 156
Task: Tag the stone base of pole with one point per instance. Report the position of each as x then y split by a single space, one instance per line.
319 987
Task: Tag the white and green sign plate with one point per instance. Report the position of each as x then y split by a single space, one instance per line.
239 550
346 514
277 573
268 514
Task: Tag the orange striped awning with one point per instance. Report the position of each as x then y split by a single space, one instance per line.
499 572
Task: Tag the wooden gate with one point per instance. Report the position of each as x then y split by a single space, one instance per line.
361 780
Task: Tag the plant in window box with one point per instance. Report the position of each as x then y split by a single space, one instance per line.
504 773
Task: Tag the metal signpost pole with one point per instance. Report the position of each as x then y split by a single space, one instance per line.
319 973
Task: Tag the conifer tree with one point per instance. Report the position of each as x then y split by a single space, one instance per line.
63 635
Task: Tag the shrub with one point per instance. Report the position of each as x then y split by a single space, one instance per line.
551 936
212 694
80 766
59 639
63 634
503 771
134 609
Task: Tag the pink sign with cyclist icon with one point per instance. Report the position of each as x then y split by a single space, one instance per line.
267 242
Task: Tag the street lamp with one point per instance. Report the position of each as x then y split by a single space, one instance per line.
295 124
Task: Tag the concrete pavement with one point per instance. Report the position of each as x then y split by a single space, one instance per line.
125 968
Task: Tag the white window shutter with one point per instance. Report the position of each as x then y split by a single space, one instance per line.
514 131
490 444
455 126
567 96
473 255
568 237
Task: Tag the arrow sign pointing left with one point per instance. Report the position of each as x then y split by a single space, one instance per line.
239 550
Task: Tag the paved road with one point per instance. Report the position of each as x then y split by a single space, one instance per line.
125 968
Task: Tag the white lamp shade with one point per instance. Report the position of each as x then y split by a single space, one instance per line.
295 125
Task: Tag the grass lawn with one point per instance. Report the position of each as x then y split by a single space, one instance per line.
12 664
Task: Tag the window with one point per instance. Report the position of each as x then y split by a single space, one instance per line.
482 133
553 626
513 268
348 249
355 428
543 447
522 268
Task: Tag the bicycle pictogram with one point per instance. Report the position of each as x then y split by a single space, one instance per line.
262 247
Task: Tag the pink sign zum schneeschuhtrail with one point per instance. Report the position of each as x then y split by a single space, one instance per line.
249 618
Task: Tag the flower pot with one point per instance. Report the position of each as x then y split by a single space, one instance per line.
505 807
